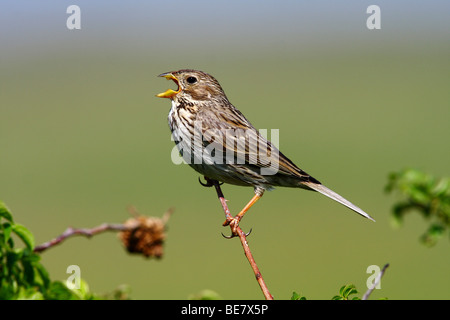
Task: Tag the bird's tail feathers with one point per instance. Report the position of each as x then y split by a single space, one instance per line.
333 195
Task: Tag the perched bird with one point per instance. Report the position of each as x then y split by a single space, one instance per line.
216 140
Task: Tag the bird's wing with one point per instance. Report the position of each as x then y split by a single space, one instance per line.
241 143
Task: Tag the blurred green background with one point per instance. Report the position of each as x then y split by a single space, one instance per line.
82 137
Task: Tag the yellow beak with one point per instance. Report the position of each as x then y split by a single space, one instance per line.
169 93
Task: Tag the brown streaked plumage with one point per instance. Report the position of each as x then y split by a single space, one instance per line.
202 116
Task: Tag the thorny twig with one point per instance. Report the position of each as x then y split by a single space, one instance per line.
243 237
140 234
375 283
79 231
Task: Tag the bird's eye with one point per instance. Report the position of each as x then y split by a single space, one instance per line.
191 80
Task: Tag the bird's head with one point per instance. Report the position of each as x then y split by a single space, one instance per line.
192 85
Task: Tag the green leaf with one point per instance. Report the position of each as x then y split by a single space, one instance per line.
442 188
205 294
83 292
348 290
29 294
12 257
433 234
345 292
35 296
7 291
58 291
28 272
425 194
43 273
5 213
341 291
7 228
24 234
296 296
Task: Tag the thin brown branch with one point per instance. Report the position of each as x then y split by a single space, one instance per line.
374 285
243 237
222 201
139 235
82 232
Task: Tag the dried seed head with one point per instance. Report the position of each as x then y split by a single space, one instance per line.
144 235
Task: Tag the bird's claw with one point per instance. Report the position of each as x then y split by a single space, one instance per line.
208 183
234 225
228 237
236 235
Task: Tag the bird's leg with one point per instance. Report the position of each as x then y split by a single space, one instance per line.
234 222
231 221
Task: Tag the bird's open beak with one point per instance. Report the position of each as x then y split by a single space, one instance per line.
169 93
